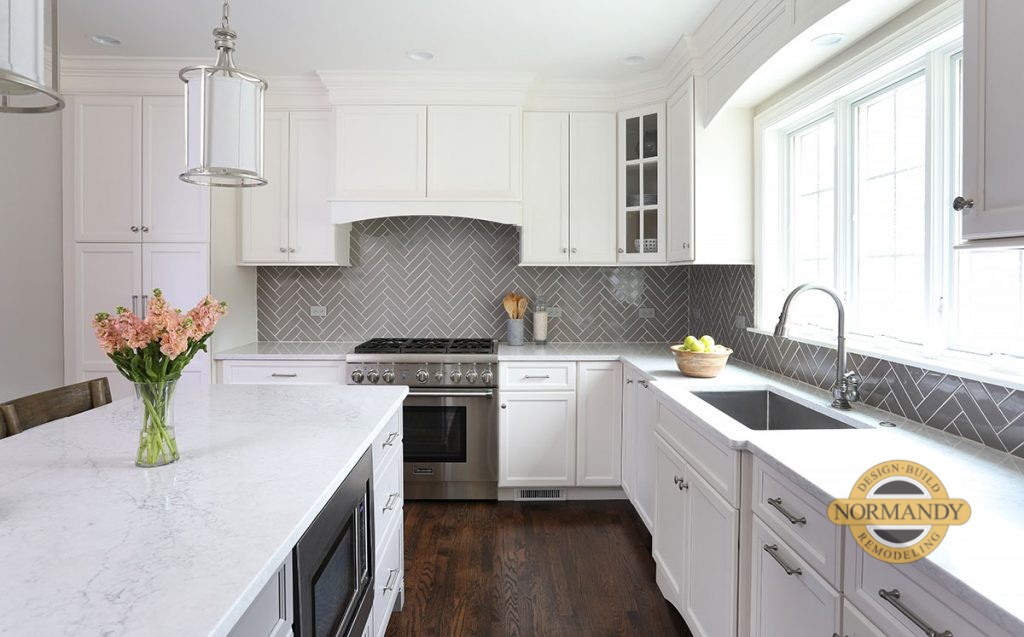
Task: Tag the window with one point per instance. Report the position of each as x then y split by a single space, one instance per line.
855 184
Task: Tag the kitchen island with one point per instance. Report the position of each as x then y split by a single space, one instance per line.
91 544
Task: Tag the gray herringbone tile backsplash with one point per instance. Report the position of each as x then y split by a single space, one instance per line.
426 276
446 277
985 413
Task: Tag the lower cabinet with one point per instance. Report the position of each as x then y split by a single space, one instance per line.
599 424
644 453
280 372
671 523
537 439
787 597
855 624
388 526
272 612
629 386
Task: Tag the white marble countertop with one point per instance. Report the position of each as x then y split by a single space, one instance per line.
91 544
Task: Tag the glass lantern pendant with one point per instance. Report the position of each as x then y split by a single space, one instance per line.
224 124
21 58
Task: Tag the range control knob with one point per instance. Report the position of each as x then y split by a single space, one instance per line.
373 376
487 377
471 376
357 376
439 375
422 375
387 376
456 375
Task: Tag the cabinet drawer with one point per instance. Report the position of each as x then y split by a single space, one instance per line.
387 580
387 496
387 444
716 463
800 520
282 372
537 376
865 577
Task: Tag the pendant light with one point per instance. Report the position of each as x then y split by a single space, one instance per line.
224 123
22 58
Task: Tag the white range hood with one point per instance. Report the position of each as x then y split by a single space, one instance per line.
435 145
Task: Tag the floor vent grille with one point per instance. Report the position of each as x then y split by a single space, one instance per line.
546 495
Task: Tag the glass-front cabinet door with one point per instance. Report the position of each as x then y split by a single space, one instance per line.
642 185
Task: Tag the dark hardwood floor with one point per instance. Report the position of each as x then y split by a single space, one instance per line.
514 569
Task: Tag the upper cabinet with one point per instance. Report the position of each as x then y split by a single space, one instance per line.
568 189
428 160
287 221
710 182
641 197
121 176
992 134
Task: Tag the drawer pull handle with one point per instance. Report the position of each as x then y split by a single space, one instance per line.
392 499
773 550
777 503
893 597
391 439
392 581
537 376
644 384
682 484
279 375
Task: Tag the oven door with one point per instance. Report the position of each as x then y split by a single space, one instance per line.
450 441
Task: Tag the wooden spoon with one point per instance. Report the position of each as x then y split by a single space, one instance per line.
523 302
510 304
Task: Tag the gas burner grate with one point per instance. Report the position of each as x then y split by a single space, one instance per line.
426 346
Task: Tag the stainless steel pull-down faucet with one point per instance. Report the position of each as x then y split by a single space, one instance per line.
844 391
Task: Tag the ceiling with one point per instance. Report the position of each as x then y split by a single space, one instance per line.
584 39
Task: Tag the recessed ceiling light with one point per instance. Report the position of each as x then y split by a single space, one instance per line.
419 55
633 60
828 39
105 40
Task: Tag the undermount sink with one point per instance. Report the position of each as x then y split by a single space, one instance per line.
763 410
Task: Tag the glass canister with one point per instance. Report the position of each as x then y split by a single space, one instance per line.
540 321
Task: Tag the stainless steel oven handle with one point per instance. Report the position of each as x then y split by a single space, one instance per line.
452 394
392 581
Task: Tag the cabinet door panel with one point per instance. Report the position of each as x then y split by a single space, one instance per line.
712 547
381 152
855 624
545 231
680 134
641 197
474 152
313 238
671 523
647 418
172 210
798 604
592 188
599 424
993 87
106 275
537 439
106 167
264 224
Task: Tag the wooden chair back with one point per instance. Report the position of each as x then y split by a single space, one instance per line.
31 411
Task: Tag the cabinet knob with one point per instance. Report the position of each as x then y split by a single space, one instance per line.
284 249
564 250
574 250
145 228
291 249
686 245
504 405
621 250
682 484
962 203
134 228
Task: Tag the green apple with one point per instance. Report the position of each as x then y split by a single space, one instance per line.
697 346
709 343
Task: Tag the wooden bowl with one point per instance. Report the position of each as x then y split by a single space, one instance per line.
700 364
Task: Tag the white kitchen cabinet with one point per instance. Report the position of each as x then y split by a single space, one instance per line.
288 220
646 465
629 420
474 152
173 211
381 152
103 167
280 372
855 624
537 439
710 202
786 596
272 612
568 189
993 87
671 523
599 424
641 205
712 564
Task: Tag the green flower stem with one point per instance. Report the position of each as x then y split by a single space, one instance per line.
156 443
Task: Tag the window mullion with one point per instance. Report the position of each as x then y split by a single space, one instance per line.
845 235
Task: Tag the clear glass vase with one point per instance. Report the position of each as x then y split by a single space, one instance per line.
154 402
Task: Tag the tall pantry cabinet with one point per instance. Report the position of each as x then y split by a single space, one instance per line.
130 225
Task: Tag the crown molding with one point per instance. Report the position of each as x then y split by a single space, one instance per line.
402 87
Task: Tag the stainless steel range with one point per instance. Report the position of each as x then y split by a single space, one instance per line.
450 417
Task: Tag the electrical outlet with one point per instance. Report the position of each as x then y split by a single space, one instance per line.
647 312
318 311
554 312
740 322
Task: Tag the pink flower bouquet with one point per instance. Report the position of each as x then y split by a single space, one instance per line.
152 352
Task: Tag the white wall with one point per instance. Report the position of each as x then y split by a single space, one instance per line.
228 281
31 328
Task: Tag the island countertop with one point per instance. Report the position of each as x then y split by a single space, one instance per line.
91 544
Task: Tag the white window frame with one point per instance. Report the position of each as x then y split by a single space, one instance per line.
927 47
